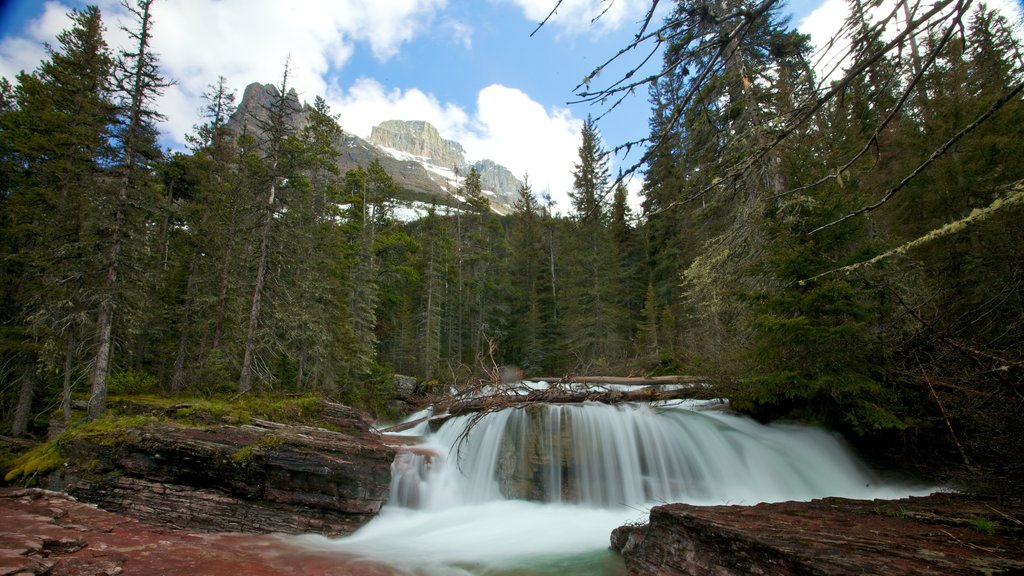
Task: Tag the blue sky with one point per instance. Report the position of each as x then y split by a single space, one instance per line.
469 67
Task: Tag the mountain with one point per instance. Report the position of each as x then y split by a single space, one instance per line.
426 167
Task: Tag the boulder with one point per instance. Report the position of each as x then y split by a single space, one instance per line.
939 534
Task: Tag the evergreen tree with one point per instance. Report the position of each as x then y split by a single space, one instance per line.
270 170
138 83
54 141
595 321
527 272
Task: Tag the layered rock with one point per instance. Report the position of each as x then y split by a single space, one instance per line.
940 534
419 138
50 533
263 477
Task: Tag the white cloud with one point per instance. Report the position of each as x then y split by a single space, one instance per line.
368 103
25 52
826 21
512 129
578 16
508 127
242 40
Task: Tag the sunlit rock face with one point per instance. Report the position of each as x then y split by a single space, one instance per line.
427 168
420 139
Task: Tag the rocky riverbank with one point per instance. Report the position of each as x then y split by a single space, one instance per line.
50 533
943 534
205 475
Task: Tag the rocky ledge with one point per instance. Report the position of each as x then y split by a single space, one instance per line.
50 533
259 477
940 534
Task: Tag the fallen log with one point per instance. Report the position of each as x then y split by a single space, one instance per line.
564 396
621 380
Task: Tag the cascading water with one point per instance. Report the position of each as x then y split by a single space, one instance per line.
538 490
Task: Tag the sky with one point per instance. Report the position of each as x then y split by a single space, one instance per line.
469 67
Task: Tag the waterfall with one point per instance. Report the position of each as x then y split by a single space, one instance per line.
548 482
625 455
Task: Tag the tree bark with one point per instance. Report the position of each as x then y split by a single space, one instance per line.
65 397
105 318
20 425
245 379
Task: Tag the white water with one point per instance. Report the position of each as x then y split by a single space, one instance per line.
539 491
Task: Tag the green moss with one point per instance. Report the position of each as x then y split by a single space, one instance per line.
243 456
38 461
983 525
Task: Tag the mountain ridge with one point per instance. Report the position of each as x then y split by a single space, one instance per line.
426 167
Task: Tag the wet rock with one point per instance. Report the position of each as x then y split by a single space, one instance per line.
86 541
939 534
267 477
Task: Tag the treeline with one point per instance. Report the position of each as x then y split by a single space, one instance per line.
249 262
846 252
849 252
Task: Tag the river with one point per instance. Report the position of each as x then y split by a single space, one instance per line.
537 491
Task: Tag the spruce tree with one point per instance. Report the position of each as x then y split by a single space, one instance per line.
54 139
137 82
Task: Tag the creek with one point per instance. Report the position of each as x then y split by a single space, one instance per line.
537 490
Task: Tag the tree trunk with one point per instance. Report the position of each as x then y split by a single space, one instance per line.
65 397
105 317
20 425
245 379
178 376
563 396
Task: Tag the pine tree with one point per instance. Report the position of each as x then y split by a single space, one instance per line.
138 83
595 322
55 130
275 126
527 273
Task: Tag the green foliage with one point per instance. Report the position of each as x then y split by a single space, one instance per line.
131 382
246 455
984 525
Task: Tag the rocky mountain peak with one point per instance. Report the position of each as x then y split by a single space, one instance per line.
419 138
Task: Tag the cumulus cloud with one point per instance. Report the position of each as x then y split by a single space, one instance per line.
515 130
507 126
242 40
18 53
825 23
578 16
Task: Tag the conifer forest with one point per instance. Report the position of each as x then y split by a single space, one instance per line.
837 243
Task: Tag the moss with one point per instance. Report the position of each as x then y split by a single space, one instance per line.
246 455
38 461
983 525
109 431
243 457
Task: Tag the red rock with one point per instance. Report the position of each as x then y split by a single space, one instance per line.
942 534
86 541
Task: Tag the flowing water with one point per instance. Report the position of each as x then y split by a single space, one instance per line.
538 490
